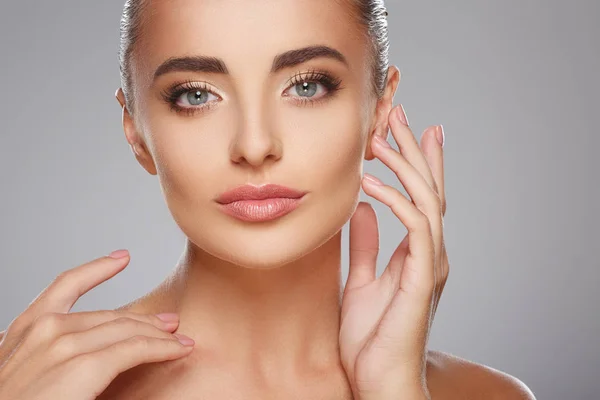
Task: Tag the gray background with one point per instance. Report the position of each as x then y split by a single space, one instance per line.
515 84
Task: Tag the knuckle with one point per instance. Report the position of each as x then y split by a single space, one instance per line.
62 277
436 201
143 318
46 325
64 346
132 315
115 316
85 363
140 342
124 321
423 221
112 314
419 222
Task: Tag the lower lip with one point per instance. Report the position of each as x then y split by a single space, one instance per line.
261 210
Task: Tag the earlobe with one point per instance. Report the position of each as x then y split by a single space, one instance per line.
138 148
135 150
133 137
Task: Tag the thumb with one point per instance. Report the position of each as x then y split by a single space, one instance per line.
364 246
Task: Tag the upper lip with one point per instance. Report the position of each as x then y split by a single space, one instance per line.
251 192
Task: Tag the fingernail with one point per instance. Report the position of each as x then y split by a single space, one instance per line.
185 340
381 141
118 254
168 317
402 114
371 179
440 135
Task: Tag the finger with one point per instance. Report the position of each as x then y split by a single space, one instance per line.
70 285
394 269
404 326
408 145
47 327
364 247
424 198
50 328
84 320
96 370
98 337
420 192
445 271
420 242
433 151
435 158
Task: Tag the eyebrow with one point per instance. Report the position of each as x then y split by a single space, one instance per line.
216 65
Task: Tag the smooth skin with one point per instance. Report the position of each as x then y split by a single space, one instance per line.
49 353
262 301
385 320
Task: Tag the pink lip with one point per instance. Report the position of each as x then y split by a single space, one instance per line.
259 203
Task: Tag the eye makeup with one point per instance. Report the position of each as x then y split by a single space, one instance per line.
173 94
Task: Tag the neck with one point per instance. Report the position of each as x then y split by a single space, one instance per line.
278 321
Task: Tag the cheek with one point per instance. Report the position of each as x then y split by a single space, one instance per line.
186 161
334 151
322 153
330 166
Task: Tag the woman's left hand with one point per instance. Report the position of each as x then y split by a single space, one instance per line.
385 322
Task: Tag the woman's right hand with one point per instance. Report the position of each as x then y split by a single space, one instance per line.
49 353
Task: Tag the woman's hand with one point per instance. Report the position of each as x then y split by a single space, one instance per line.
385 321
49 353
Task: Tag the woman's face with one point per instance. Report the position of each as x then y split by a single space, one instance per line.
205 128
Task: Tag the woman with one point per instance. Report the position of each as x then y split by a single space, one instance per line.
256 117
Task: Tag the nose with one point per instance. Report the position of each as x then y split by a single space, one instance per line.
255 144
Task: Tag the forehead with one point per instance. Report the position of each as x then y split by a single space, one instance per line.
247 33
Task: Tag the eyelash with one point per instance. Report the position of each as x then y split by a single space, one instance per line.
172 94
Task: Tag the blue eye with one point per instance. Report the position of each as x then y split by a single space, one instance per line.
306 89
192 97
189 97
307 85
197 97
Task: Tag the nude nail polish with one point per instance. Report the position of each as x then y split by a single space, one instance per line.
440 135
402 115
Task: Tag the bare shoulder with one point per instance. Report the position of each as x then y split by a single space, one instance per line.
450 377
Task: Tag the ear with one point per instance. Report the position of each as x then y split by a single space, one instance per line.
380 125
133 136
